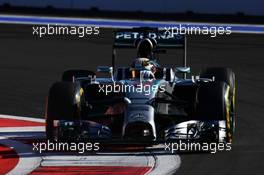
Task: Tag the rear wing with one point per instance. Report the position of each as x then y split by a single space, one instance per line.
125 38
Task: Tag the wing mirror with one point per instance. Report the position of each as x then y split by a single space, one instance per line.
106 69
183 69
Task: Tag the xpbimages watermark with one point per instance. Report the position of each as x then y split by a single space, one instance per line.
200 147
212 31
130 88
54 30
80 147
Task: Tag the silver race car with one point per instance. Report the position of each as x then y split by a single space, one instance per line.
143 102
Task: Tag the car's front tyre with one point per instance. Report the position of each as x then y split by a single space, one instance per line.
64 103
226 75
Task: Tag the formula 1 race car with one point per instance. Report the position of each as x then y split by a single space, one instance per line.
143 102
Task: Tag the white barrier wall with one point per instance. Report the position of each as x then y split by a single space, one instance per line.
251 7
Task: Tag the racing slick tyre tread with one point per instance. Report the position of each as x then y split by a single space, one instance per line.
64 103
211 101
228 76
186 93
70 74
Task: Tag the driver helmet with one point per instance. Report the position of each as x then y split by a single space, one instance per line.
144 48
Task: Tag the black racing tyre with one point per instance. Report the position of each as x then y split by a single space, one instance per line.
212 103
70 74
228 76
64 103
188 94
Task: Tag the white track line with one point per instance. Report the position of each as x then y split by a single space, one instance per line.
120 20
165 164
22 118
23 129
119 23
113 159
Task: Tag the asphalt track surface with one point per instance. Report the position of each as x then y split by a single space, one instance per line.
29 65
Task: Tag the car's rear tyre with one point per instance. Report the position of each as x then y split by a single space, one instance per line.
64 103
228 76
70 75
